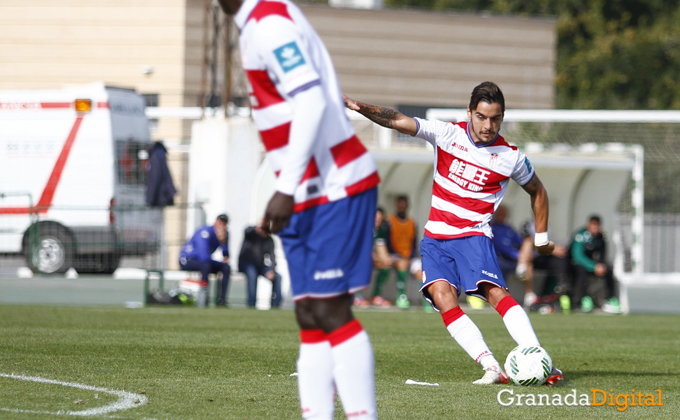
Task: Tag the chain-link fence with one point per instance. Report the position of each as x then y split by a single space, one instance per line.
95 240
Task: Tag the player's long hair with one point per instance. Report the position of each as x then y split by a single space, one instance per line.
488 92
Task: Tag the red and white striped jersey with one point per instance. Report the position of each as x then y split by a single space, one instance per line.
469 180
282 55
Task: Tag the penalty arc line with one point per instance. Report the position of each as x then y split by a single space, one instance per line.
126 400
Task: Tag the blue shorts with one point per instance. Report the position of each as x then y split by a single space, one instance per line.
463 262
328 247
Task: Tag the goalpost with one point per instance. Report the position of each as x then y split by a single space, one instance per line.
570 135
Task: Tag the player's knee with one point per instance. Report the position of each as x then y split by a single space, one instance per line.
494 294
443 294
403 264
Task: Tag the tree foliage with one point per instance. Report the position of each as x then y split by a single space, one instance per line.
611 54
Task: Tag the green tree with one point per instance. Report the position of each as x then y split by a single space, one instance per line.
611 54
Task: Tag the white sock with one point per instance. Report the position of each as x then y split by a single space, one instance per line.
315 376
468 336
517 322
354 370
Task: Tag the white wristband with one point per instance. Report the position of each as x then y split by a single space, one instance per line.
541 239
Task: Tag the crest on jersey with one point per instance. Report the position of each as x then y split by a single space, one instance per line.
493 160
289 56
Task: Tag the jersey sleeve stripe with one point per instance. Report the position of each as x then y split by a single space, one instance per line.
347 151
477 206
304 87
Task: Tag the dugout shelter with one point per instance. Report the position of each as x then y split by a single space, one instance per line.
585 180
599 169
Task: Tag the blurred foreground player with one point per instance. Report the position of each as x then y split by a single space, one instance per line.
324 204
473 165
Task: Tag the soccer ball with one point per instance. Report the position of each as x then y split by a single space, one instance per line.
528 365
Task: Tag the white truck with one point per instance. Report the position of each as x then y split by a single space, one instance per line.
72 178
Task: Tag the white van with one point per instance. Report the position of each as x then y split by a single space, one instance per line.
72 177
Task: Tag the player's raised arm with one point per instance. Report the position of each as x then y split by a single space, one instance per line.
539 204
387 117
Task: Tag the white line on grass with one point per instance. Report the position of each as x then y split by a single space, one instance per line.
126 400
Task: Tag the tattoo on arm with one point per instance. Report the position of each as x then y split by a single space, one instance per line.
532 186
378 114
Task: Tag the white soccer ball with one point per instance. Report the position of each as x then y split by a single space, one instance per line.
528 365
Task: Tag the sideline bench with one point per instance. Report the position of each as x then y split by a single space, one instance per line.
190 280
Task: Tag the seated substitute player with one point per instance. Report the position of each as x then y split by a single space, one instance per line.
382 261
473 165
588 256
398 235
324 203
556 265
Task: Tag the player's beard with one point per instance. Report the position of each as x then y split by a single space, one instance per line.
483 140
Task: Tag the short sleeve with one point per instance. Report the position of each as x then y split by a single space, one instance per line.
430 130
286 52
523 171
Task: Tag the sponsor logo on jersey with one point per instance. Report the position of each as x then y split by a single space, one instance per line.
289 56
424 277
527 163
331 274
467 175
492 275
460 147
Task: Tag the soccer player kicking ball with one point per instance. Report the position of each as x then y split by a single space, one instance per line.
472 167
325 200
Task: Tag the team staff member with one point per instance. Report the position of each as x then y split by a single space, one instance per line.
473 165
324 204
257 258
196 254
588 256
403 243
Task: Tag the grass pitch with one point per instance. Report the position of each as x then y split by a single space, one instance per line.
236 364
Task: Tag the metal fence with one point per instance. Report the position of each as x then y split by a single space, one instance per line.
94 240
